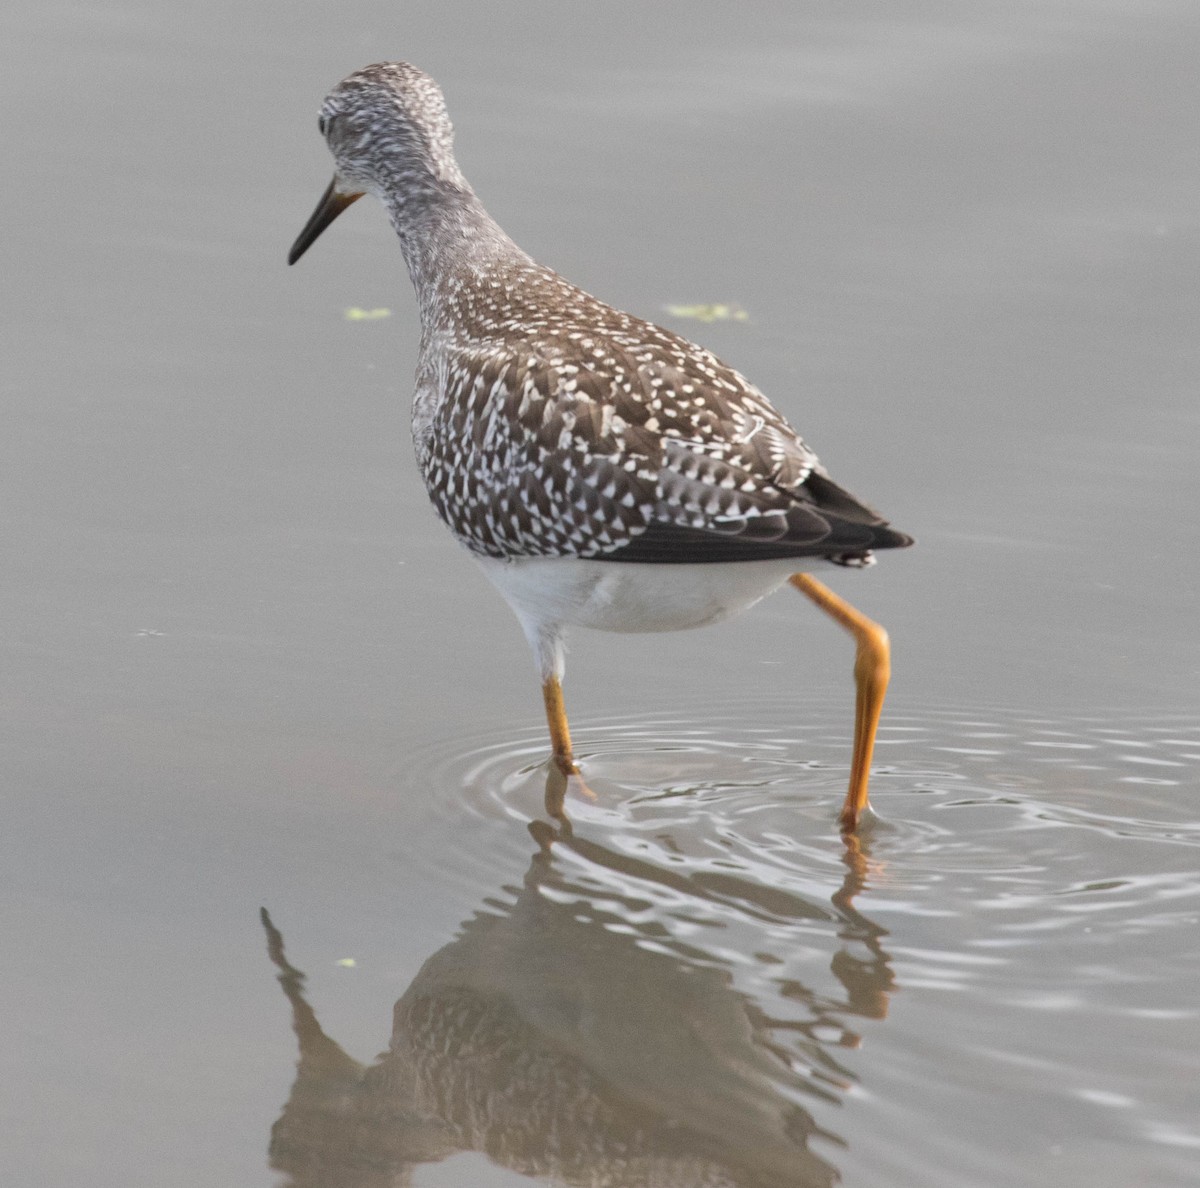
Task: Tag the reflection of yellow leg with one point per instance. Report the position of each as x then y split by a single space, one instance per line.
872 667
556 796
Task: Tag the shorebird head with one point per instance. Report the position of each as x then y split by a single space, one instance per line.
387 128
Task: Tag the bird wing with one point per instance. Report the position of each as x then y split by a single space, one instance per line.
628 445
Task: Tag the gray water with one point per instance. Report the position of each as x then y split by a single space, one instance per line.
244 666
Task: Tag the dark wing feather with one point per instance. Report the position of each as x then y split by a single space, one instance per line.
824 521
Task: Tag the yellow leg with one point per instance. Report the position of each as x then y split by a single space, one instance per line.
872 668
565 771
560 732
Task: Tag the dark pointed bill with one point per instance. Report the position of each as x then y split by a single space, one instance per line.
332 203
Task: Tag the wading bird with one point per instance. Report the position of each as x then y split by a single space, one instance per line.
603 471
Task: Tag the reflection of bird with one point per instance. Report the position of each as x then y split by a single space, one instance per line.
565 1041
605 472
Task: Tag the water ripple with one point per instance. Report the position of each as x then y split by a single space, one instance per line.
722 822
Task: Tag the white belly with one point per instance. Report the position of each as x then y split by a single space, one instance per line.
553 592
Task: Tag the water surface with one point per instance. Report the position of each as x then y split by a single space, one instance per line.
245 666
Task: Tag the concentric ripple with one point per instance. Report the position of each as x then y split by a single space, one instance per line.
1006 807
933 767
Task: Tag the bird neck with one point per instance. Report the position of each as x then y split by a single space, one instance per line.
448 238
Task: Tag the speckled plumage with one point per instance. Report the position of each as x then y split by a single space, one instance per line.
548 424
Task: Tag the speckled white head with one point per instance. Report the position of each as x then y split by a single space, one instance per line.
385 120
387 128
